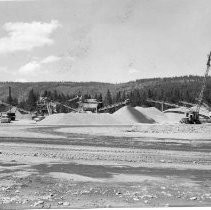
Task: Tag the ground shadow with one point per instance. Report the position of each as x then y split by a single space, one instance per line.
100 171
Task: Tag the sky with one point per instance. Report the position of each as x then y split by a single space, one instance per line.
103 40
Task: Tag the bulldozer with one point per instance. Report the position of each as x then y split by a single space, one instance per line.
191 117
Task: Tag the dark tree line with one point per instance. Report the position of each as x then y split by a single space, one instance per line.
169 90
31 101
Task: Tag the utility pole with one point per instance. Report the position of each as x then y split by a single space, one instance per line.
10 97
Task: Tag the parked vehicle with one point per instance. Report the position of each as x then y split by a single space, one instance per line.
38 118
11 115
5 118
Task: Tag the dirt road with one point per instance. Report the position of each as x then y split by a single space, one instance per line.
60 167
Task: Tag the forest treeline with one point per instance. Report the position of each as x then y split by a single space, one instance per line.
171 90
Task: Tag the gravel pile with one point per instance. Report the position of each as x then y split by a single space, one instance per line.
131 115
153 113
126 115
79 119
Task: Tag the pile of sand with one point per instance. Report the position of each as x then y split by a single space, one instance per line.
127 115
20 115
175 114
174 117
79 119
131 115
153 113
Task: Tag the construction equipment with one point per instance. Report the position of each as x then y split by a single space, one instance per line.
11 115
113 107
10 109
68 107
193 105
88 105
73 99
187 103
38 118
192 116
162 103
8 113
5 118
45 106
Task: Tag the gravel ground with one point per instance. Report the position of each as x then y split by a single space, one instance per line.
86 169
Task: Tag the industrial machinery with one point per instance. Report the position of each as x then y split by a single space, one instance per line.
89 105
11 115
192 116
46 106
43 107
114 107
162 103
5 118
9 112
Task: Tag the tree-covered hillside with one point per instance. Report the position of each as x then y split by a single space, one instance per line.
172 89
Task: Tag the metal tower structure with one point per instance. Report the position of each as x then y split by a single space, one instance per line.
200 98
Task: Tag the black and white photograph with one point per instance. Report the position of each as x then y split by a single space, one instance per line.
105 104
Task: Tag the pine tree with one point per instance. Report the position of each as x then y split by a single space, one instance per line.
55 95
108 98
100 97
45 93
31 101
123 97
118 96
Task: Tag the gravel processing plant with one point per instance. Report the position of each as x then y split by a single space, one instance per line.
105 104
112 156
